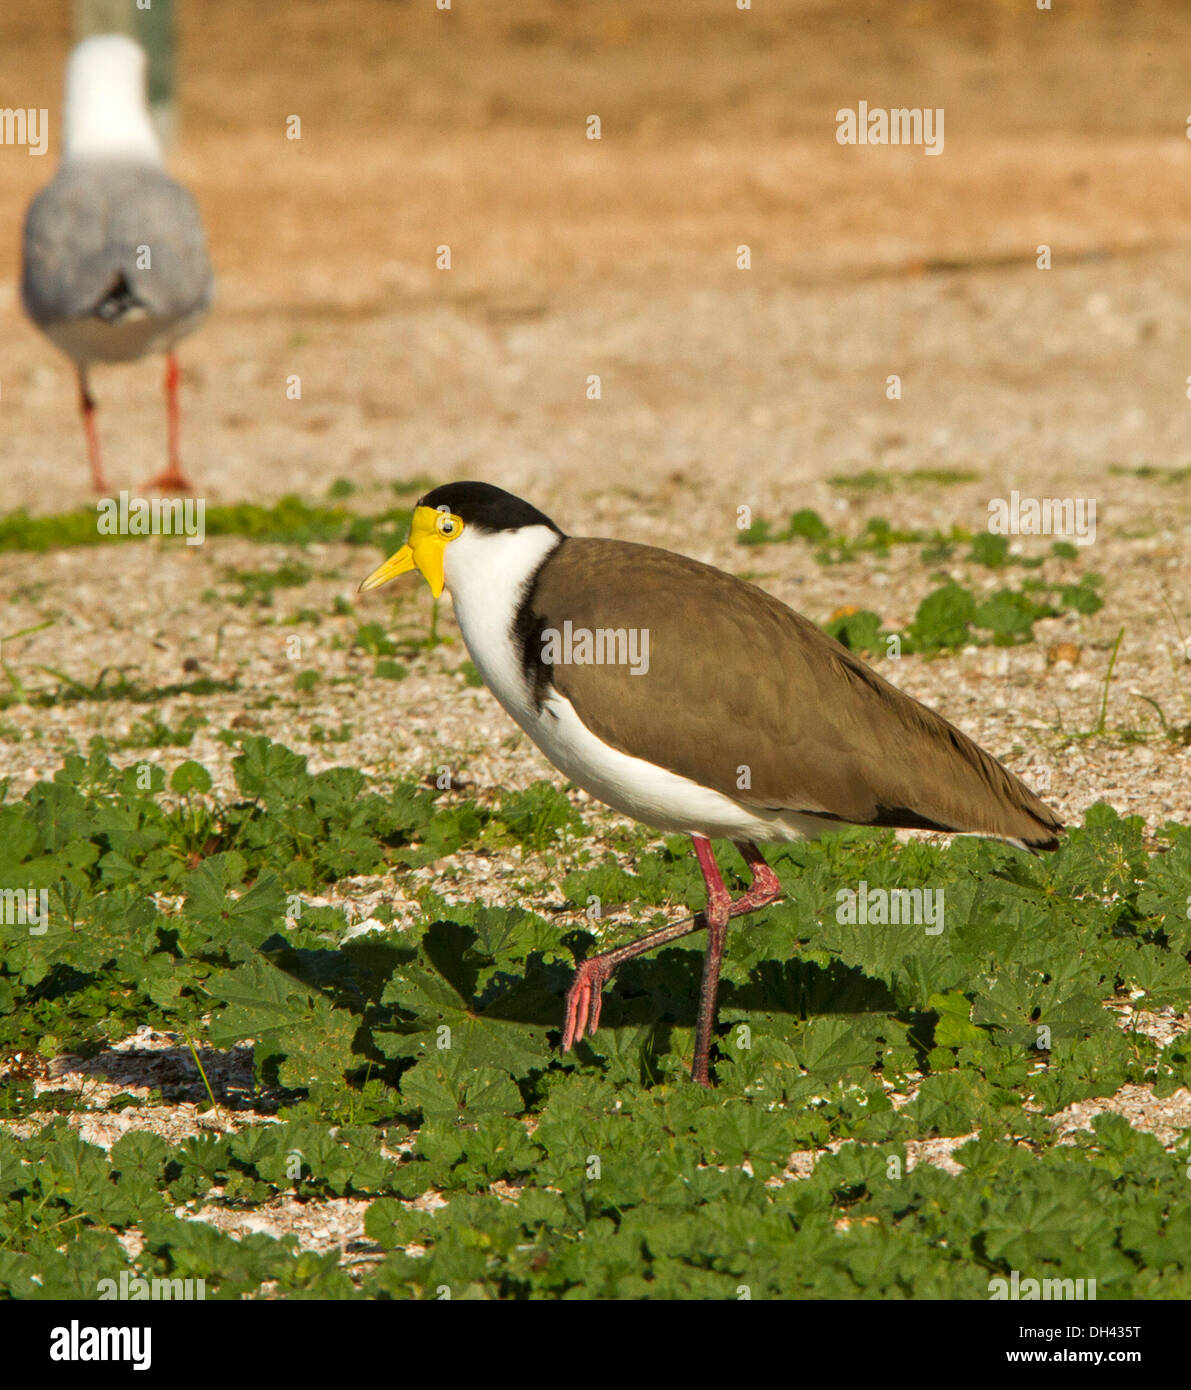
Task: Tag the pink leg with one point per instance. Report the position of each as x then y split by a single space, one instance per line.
765 888
717 913
583 998
172 479
94 456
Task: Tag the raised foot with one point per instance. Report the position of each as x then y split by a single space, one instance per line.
761 893
584 1001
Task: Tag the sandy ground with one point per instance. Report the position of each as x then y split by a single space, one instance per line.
720 387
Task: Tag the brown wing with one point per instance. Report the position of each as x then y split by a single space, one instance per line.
744 695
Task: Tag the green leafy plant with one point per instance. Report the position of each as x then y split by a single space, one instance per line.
417 1067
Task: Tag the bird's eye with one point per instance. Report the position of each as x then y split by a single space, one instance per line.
448 525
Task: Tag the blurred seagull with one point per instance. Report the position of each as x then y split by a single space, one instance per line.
115 260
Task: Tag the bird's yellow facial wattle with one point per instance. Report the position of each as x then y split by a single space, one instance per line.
430 532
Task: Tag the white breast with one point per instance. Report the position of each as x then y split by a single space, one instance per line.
650 793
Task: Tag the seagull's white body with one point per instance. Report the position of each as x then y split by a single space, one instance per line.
113 223
115 261
137 334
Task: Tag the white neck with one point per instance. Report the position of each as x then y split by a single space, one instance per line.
105 115
486 575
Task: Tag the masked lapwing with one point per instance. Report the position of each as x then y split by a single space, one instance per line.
693 701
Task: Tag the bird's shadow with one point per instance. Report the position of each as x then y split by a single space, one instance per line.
660 991
666 989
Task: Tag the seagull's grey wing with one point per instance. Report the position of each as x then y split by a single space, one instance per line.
98 227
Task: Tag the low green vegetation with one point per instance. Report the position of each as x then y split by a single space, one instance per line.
890 479
257 586
113 683
878 536
1150 470
288 521
952 616
422 1058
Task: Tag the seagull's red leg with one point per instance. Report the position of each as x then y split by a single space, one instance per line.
172 479
583 998
95 458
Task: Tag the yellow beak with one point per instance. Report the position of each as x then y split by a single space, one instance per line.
424 552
